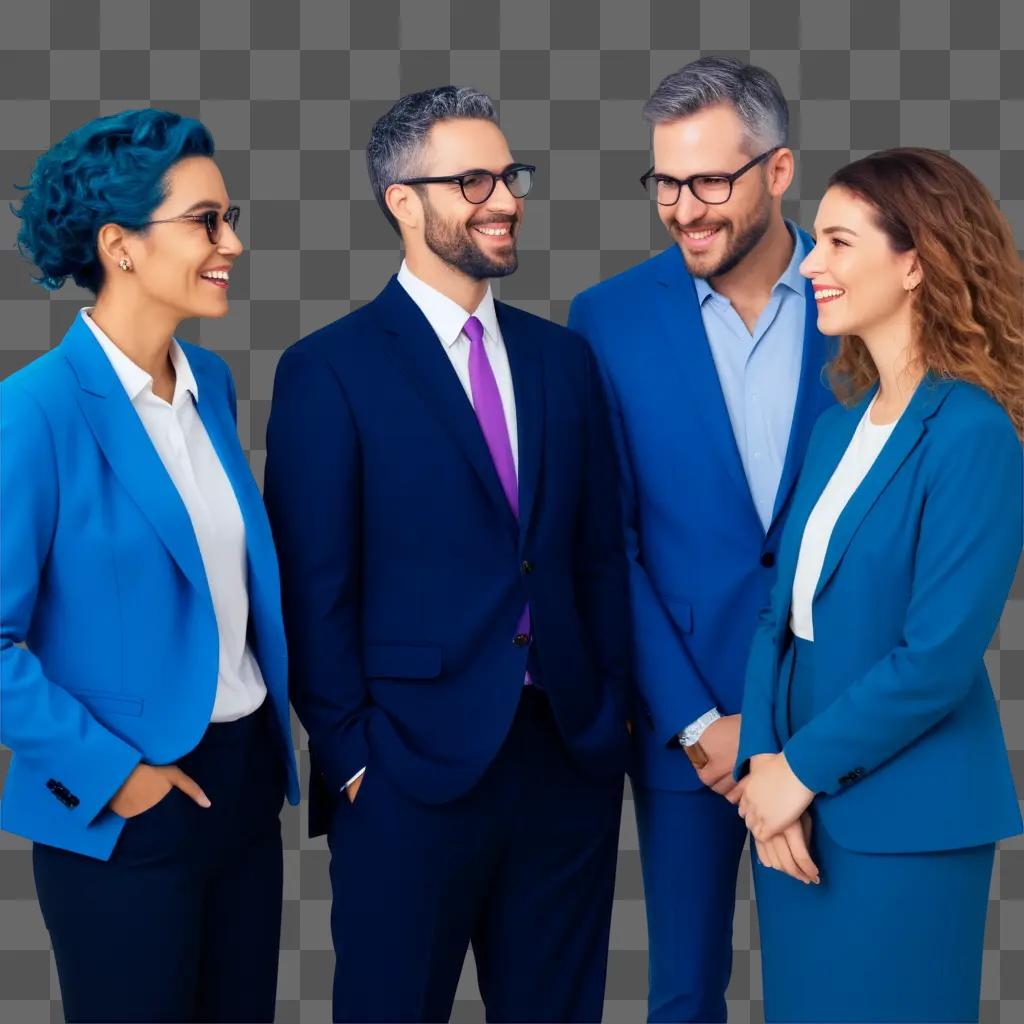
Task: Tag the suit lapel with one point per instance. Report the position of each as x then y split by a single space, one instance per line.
129 451
527 366
814 475
813 396
904 438
686 347
421 357
223 434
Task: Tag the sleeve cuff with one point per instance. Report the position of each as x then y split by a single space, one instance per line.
354 777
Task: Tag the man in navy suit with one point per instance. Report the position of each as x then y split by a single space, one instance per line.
712 361
442 485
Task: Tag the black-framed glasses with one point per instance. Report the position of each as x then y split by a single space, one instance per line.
478 184
711 189
211 218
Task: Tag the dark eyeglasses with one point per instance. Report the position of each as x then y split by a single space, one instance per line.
211 218
711 189
477 185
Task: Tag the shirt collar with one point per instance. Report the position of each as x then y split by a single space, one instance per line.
790 278
445 315
133 378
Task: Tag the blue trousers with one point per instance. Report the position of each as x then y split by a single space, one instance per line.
522 867
885 937
690 846
183 923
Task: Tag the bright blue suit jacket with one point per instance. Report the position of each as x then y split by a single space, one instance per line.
700 561
102 579
905 749
404 570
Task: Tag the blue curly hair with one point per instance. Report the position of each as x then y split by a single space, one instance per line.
110 170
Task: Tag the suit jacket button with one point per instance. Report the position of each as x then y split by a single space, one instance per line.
520 639
768 559
527 568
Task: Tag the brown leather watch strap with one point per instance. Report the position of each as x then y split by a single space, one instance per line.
697 755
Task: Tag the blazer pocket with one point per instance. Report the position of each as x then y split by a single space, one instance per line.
405 661
681 612
103 700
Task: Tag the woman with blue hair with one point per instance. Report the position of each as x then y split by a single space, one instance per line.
141 647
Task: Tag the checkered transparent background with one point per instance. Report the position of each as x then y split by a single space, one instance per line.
290 90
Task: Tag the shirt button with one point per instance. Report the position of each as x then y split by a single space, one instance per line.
527 568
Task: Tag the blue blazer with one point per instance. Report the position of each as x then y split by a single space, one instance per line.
700 561
103 580
404 571
905 751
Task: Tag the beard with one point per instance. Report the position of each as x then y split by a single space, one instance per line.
454 243
742 238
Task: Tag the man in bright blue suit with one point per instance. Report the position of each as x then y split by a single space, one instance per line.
712 364
441 482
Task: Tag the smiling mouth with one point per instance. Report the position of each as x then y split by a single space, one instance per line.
823 295
494 230
218 278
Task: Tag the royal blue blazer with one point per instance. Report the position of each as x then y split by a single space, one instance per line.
404 570
108 640
906 750
700 561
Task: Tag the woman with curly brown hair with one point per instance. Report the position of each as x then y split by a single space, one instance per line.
872 761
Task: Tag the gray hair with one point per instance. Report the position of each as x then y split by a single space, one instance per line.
398 136
753 92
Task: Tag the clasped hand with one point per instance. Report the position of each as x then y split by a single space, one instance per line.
773 802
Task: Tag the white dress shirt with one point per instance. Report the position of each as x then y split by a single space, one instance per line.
447 318
189 457
867 441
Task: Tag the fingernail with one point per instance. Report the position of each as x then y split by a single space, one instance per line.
817 881
205 801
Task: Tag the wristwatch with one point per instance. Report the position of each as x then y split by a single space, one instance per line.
689 738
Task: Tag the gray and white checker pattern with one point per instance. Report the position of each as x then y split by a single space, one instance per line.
290 90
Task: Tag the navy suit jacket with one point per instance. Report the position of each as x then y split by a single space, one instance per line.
701 564
403 568
905 749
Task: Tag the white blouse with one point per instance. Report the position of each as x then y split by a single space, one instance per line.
867 441
191 461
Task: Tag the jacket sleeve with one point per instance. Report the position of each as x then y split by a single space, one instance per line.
312 495
42 723
757 717
969 542
667 679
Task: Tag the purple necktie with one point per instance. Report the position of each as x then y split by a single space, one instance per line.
491 415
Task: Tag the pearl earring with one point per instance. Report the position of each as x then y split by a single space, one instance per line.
124 264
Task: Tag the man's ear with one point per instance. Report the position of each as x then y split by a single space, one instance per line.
405 205
780 171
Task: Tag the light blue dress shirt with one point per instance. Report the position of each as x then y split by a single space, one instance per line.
760 373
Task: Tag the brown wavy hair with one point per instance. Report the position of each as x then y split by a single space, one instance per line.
968 310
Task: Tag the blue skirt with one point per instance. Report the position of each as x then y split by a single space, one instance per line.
885 937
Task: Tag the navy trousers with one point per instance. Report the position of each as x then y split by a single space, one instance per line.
690 846
183 923
522 867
